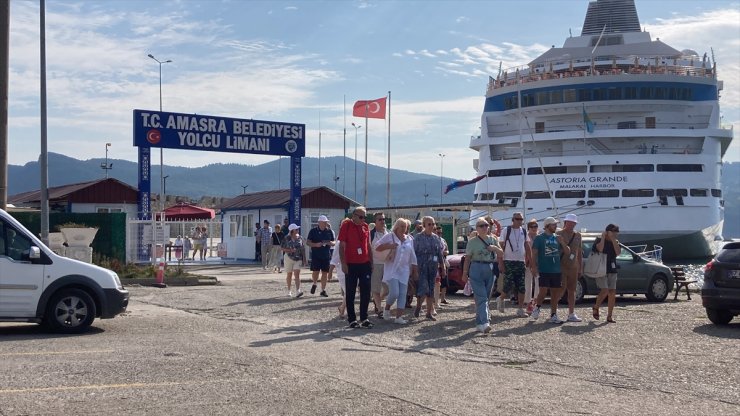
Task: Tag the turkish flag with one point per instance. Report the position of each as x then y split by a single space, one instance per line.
370 109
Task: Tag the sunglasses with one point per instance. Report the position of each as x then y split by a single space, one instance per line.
431 224
362 217
518 219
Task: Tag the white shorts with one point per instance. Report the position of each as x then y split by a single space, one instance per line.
290 264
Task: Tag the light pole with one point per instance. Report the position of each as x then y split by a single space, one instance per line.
357 127
441 175
105 166
164 187
336 178
426 194
244 189
161 153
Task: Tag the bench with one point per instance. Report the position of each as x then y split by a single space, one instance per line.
680 281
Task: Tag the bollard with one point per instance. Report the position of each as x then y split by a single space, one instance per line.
160 274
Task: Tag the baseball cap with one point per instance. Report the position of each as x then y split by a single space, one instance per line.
322 218
417 222
292 227
571 218
550 220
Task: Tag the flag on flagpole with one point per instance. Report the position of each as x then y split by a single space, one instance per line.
370 109
459 184
587 121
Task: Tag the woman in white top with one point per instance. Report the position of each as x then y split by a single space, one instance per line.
399 264
336 265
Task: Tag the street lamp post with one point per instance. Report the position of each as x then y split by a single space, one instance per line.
441 175
164 187
244 189
106 166
426 194
357 127
161 153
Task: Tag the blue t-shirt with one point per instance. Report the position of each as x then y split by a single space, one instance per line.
317 235
548 253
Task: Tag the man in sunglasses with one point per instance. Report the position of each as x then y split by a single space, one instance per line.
354 255
546 252
517 254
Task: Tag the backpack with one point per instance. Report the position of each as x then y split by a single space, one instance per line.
508 234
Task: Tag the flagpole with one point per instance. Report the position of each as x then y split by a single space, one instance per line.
388 172
344 152
319 148
367 105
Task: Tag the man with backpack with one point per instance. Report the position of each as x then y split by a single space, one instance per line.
517 255
571 266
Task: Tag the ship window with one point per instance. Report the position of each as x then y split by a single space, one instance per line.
646 93
671 93
505 195
699 192
672 192
569 96
504 172
627 125
556 97
600 94
570 194
615 93
584 95
486 197
680 168
537 195
632 168
649 122
543 98
717 193
603 193
635 193
630 93
659 93
539 127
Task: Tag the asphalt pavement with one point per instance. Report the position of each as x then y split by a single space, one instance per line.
245 347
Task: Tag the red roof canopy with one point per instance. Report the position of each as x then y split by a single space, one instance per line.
188 212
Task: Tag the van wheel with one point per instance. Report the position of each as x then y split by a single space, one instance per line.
69 311
657 289
719 316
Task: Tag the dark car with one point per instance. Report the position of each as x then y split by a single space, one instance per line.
720 294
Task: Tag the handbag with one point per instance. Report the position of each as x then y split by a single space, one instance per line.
389 255
467 290
595 265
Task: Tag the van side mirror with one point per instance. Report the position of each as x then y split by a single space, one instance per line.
34 253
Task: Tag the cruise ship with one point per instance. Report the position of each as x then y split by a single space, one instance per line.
613 126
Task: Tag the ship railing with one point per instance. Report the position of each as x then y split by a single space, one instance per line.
656 254
599 126
593 149
611 65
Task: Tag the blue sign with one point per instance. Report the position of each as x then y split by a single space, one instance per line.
218 134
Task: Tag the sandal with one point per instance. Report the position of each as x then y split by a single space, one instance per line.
610 320
596 312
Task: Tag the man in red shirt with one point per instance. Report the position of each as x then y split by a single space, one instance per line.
354 254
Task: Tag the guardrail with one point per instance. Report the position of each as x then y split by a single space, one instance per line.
656 254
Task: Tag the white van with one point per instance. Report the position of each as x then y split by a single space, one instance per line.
37 285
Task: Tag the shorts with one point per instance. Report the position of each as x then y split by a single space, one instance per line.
570 274
290 264
514 277
551 280
607 282
376 278
320 264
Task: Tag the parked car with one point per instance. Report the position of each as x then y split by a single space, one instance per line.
454 274
636 274
720 294
37 285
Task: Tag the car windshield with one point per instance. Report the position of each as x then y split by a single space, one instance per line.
730 253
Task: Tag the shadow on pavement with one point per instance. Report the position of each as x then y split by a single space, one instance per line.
731 331
35 331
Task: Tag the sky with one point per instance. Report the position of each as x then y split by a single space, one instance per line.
303 61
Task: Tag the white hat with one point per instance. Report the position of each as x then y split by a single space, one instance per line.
550 220
571 218
322 218
292 227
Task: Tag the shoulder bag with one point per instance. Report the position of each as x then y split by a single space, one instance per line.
595 265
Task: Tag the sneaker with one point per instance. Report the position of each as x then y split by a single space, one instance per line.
500 304
444 302
324 294
535 313
574 318
520 313
354 324
400 321
313 289
299 294
290 294
431 318
555 319
366 324
530 307
487 328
